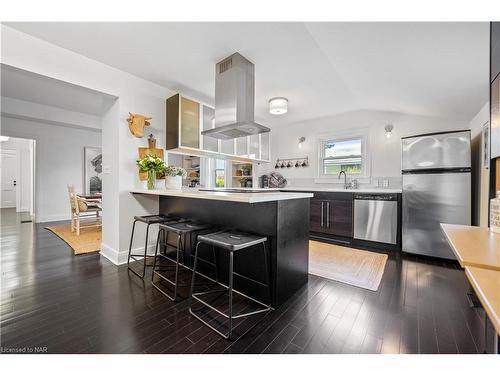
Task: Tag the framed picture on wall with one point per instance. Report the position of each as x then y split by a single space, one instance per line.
486 145
92 170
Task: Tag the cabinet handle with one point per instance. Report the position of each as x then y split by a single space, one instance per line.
322 204
328 214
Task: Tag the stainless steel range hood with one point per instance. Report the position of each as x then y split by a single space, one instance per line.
234 100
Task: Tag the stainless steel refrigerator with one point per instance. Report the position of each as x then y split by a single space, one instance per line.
436 171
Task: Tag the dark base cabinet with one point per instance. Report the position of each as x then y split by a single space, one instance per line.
331 213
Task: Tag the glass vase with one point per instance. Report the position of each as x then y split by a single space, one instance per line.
151 180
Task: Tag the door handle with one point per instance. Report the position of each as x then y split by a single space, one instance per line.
328 214
322 205
15 183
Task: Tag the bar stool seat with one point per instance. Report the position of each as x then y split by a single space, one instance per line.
185 227
233 242
182 230
156 219
148 220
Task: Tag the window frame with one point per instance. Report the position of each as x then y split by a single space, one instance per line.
365 157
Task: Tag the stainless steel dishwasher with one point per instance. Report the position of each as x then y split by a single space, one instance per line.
376 217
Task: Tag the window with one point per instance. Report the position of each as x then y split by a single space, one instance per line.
346 154
220 173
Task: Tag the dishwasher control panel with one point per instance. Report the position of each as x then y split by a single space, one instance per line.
376 197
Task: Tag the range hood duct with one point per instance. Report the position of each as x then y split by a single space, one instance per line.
234 100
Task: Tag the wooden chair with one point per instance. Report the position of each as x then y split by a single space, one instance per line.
83 211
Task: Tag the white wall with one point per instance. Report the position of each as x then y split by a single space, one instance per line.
385 153
59 162
25 110
119 146
23 171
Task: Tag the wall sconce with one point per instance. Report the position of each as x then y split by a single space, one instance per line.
388 130
278 106
301 140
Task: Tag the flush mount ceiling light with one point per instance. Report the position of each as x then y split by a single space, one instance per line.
278 106
3 138
388 130
301 140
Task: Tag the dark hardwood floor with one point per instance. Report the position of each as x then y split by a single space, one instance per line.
84 304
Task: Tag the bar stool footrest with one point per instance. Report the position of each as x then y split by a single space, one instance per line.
265 308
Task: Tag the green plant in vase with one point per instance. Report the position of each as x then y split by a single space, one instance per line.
151 165
172 171
173 177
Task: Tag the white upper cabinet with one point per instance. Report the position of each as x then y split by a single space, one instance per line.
186 119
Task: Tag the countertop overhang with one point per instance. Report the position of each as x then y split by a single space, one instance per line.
269 196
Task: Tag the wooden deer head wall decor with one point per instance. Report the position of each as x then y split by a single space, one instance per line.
137 123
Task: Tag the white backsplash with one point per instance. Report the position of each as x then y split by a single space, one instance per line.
375 182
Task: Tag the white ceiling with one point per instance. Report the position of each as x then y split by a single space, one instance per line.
23 85
435 69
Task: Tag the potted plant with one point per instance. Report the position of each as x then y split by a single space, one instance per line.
173 177
151 165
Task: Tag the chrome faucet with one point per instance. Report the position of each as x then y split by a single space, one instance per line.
345 178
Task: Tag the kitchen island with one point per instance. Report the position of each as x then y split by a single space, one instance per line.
281 216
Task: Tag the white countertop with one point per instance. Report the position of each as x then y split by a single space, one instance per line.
269 196
374 190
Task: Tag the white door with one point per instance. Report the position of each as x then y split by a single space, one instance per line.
8 165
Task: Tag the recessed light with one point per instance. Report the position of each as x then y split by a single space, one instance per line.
278 106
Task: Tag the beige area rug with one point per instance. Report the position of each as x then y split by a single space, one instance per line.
360 268
88 241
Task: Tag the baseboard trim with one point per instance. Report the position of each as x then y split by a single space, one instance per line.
111 254
120 257
48 219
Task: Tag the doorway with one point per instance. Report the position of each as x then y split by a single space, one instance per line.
17 165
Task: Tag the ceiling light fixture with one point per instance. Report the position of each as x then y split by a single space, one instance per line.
278 106
301 140
3 138
388 130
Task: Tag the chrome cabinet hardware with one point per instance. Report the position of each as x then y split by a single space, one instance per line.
328 214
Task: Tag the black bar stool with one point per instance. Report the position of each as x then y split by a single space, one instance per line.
232 242
182 230
148 220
